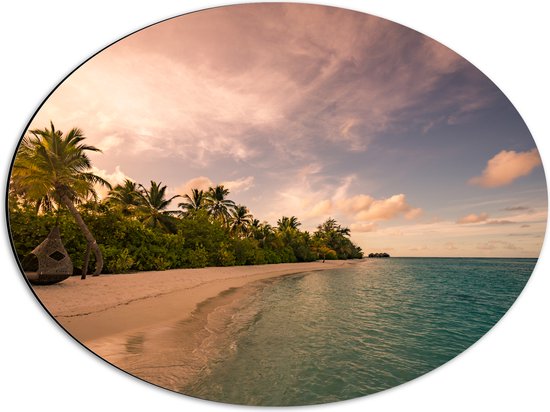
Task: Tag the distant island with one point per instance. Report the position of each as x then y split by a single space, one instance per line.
379 255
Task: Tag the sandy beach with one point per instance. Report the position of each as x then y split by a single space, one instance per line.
109 305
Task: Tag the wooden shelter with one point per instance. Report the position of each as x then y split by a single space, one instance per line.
54 263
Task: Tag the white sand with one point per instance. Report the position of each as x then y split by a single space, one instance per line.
108 305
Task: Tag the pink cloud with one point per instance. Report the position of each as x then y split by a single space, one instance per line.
115 178
363 227
473 218
204 85
200 183
324 207
306 197
239 185
497 244
418 249
414 213
204 183
385 209
355 204
500 222
450 246
506 167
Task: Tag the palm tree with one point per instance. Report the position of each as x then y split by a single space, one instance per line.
288 223
126 196
217 203
335 237
331 228
266 229
261 231
53 169
193 203
240 220
255 228
345 231
153 207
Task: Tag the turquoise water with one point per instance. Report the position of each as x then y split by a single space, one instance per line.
325 336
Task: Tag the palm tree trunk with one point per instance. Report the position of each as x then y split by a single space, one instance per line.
86 232
86 261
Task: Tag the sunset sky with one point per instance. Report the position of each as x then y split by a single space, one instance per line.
315 111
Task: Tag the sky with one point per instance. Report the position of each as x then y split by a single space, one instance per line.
316 112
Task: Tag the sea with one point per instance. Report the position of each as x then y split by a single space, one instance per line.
326 336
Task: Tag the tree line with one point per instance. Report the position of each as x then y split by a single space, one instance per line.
134 229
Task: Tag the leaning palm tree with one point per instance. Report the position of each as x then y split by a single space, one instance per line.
194 202
217 203
125 196
240 220
153 207
51 168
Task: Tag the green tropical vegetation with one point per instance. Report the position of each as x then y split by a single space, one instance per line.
52 169
134 227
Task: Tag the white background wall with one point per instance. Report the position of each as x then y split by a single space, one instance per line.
41 367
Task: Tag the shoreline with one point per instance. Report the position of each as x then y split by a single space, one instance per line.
100 307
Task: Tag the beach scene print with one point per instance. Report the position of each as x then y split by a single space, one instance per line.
277 204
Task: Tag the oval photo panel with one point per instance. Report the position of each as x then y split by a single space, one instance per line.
277 204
